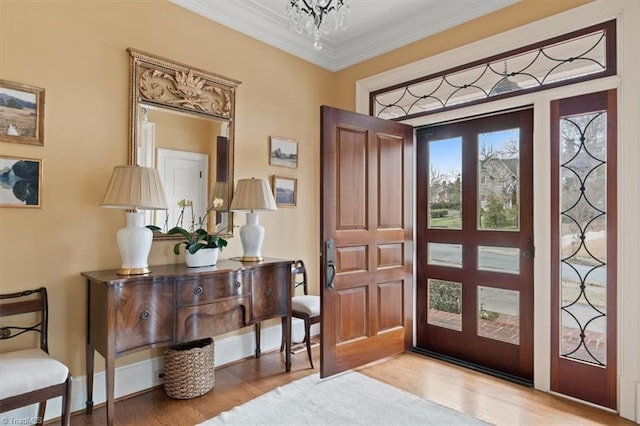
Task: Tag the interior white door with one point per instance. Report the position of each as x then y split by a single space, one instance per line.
184 178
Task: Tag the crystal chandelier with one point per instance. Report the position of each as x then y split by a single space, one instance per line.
317 17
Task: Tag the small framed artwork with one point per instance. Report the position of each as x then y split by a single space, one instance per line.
21 113
20 182
283 152
285 191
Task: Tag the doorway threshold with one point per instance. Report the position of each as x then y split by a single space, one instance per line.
475 367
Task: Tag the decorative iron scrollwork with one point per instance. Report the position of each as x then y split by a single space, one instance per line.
583 214
578 56
13 331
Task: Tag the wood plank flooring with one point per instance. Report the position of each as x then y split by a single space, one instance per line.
488 398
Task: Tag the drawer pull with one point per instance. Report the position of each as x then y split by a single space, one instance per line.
238 284
268 292
198 290
144 315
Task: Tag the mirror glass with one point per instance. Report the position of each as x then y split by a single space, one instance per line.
182 124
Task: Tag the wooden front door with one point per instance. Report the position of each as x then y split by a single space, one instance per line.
475 242
366 227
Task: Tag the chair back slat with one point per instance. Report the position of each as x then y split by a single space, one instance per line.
17 308
299 276
21 306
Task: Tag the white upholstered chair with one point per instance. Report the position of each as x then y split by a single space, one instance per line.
30 376
304 306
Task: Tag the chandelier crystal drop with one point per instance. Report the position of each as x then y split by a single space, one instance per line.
317 18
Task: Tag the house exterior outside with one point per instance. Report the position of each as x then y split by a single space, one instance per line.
499 179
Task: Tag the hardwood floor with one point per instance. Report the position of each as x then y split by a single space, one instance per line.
490 399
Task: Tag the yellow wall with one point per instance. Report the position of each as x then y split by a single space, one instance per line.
77 51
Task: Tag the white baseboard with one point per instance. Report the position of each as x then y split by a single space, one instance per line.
637 419
143 375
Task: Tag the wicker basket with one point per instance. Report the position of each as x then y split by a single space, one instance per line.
189 369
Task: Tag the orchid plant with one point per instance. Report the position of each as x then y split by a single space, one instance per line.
197 237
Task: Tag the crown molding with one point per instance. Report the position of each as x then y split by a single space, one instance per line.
403 31
266 24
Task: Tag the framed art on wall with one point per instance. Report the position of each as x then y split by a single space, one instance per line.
285 191
20 182
283 152
21 113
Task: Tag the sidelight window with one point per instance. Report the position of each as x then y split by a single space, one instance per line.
583 344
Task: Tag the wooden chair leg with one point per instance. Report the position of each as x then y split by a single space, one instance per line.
42 407
307 337
66 404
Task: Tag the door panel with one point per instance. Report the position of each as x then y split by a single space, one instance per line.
367 213
390 182
475 251
351 161
352 314
390 298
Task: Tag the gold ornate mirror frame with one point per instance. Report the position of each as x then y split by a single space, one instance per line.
162 85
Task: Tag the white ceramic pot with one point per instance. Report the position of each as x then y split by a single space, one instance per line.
203 257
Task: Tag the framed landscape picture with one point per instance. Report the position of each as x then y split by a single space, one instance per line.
21 113
283 152
20 182
285 191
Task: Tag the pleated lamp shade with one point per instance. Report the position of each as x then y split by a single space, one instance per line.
253 194
135 187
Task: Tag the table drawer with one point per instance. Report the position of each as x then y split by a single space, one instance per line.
208 289
145 315
212 319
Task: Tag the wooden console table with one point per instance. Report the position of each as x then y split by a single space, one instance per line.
175 304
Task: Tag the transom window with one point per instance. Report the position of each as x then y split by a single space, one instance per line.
578 56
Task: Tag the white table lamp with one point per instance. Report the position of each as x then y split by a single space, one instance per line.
135 188
252 195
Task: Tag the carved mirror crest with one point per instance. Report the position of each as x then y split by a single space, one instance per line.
182 123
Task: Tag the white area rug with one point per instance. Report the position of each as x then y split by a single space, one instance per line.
346 399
